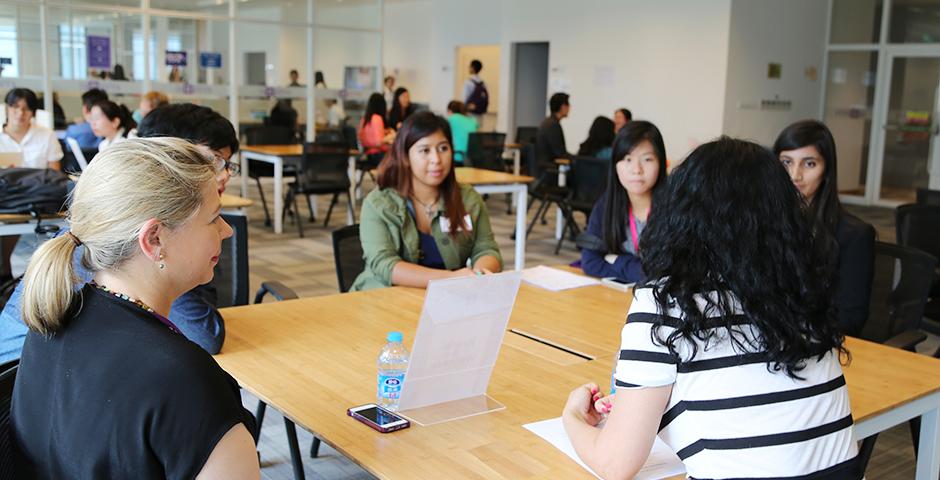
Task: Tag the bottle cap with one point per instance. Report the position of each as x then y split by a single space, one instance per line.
394 337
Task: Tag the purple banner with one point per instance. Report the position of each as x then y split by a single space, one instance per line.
175 59
99 52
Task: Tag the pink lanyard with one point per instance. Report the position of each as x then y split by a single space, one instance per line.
633 235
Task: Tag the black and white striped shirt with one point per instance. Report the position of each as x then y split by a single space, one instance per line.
729 416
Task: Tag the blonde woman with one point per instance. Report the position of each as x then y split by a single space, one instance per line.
107 386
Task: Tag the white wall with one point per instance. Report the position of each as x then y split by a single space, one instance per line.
790 33
666 61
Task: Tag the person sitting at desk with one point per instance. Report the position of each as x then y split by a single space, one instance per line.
401 108
38 147
461 126
619 217
420 224
731 351
148 102
374 136
107 385
600 138
82 132
550 138
808 152
112 122
194 312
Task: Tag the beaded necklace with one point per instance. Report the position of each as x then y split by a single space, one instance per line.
143 306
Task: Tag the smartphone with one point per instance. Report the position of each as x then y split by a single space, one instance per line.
378 418
617 284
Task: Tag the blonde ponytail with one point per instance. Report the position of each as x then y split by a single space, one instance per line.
48 286
127 185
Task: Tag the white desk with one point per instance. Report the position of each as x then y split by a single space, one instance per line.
489 181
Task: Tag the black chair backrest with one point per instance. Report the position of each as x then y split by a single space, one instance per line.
485 150
899 290
270 135
587 180
928 197
349 134
7 380
322 165
330 136
231 273
526 135
918 226
347 252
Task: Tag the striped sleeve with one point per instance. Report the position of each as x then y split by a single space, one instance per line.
643 363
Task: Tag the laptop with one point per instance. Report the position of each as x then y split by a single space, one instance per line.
11 159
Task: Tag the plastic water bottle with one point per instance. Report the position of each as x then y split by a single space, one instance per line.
392 363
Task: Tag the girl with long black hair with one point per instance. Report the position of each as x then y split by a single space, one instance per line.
621 214
731 353
808 151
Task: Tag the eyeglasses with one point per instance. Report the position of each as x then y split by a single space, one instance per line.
223 164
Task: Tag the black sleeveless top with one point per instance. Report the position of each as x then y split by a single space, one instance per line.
117 394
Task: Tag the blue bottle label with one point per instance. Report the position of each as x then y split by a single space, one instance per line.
390 385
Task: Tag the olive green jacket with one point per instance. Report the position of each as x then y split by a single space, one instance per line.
389 235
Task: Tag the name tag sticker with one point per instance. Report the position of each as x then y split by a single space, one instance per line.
445 223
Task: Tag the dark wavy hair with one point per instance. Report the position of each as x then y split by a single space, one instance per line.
825 208
618 202
395 169
730 220
375 106
600 136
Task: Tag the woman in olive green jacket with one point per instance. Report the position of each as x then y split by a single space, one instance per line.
420 225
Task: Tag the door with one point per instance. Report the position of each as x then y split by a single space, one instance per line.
529 85
255 64
909 122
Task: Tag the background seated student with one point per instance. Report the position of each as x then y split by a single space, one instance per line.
111 122
38 146
374 135
808 152
461 126
420 225
622 117
401 108
107 386
619 217
193 312
731 352
81 131
550 137
600 138
151 100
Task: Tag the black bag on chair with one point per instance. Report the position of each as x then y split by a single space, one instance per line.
33 190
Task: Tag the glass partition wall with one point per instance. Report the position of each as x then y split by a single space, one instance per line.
235 56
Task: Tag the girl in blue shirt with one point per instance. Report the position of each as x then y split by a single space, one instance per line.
621 214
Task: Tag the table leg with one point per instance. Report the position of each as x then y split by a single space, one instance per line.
559 216
522 198
243 165
516 161
928 456
278 194
351 172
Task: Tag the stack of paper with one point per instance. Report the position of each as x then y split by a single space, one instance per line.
554 279
662 462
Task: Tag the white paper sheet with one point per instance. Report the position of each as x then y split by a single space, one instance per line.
662 462
556 280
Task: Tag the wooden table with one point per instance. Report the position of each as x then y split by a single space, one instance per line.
489 181
277 155
22 224
313 358
233 202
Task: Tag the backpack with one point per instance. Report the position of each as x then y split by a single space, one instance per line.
479 98
33 190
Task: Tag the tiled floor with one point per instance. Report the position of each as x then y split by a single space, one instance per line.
306 265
